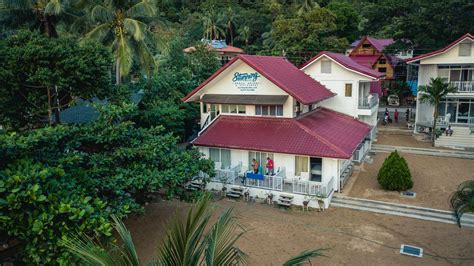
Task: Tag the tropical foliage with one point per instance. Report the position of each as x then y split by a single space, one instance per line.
462 200
433 94
63 178
190 240
394 174
40 75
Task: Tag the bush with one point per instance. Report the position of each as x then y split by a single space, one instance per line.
394 174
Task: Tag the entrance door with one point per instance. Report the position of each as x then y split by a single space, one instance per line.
214 111
463 112
316 165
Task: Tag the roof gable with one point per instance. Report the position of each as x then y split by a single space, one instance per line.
280 72
346 62
442 50
378 44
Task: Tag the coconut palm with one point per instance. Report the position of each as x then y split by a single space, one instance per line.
433 94
228 19
244 34
186 243
44 11
462 200
123 25
212 30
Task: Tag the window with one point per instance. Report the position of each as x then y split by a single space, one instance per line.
326 66
269 110
301 165
221 156
261 158
348 90
316 169
366 45
382 61
204 108
233 109
465 49
443 73
382 69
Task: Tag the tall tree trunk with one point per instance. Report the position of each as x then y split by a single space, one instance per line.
118 78
57 108
435 116
50 108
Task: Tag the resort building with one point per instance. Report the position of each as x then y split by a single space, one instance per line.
259 107
369 52
224 51
454 64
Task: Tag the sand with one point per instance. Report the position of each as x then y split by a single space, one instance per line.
351 237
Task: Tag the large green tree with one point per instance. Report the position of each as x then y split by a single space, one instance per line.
41 75
57 179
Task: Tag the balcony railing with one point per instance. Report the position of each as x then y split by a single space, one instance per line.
311 188
367 102
463 86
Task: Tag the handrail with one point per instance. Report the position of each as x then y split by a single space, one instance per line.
207 124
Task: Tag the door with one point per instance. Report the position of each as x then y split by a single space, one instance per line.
214 111
316 166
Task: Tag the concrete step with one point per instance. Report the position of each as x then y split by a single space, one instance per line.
416 212
424 151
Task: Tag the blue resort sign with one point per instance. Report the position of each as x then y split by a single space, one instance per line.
246 81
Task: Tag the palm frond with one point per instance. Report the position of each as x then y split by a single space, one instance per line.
88 250
144 8
462 200
124 54
53 7
146 58
100 13
136 28
18 4
129 251
182 245
220 249
99 32
304 256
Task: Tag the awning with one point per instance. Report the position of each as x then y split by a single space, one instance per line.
244 99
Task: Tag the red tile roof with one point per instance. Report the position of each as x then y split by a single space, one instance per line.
283 74
379 44
346 62
319 133
365 60
442 50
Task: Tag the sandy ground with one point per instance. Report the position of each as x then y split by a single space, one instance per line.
392 138
352 237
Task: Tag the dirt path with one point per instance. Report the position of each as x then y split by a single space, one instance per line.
353 237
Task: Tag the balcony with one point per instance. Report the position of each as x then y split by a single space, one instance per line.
463 86
367 102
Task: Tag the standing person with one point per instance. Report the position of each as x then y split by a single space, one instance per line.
395 115
408 115
255 166
386 112
270 167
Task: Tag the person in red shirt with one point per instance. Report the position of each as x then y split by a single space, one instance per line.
395 115
270 166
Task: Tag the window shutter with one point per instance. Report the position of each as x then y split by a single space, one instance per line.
465 49
326 66
348 90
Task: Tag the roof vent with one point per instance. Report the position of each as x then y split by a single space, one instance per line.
408 194
411 251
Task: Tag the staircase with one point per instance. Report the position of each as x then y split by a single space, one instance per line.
285 200
427 214
195 185
462 138
235 192
423 151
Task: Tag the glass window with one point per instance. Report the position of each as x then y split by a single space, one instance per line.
270 110
214 154
225 159
301 165
366 45
279 110
348 90
471 112
241 109
442 108
326 66
382 69
264 110
382 61
225 108
444 74
233 109
455 75
316 169
258 110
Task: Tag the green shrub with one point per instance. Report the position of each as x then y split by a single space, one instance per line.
394 174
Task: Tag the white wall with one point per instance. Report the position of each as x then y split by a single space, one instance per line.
450 57
336 83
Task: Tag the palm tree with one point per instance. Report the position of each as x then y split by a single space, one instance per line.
433 94
462 200
122 25
212 30
186 243
44 11
229 17
244 33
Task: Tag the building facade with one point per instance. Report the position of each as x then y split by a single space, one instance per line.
455 65
259 107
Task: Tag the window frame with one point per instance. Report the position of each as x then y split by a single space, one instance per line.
348 88
328 68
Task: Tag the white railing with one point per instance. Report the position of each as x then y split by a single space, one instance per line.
367 102
311 188
207 123
344 165
273 182
463 86
227 176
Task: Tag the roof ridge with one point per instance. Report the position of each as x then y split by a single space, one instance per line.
322 139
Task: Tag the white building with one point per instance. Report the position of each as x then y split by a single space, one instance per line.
455 64
260 106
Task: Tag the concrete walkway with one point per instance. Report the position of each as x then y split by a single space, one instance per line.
415 212
423 151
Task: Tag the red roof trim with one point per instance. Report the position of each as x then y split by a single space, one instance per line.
442 50
356 69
